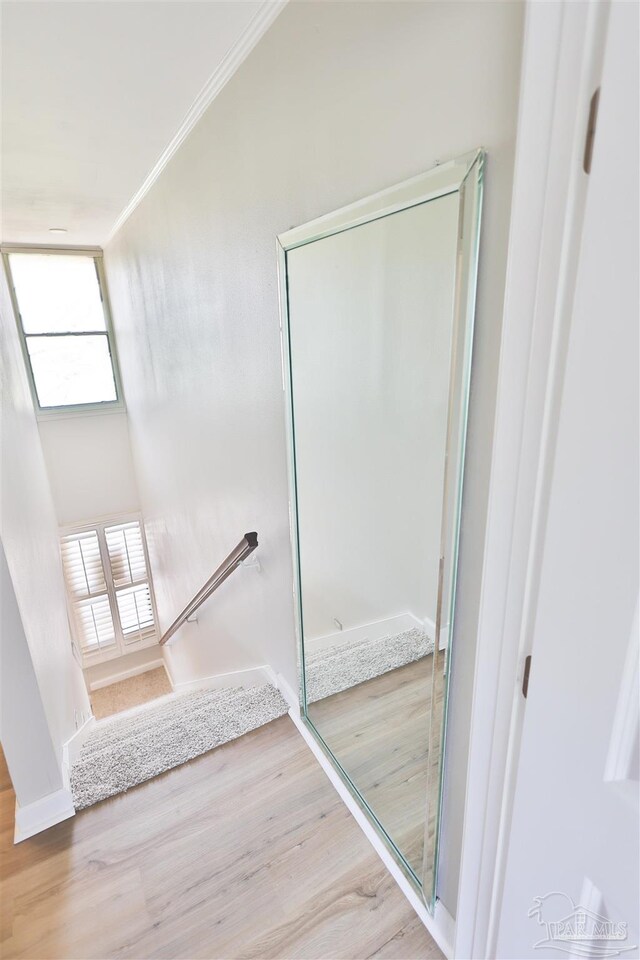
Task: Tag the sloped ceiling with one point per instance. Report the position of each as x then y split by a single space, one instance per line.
92 95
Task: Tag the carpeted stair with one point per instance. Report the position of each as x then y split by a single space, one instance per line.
133 747
342 666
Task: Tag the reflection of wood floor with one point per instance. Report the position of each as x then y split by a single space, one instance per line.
379 732
245 852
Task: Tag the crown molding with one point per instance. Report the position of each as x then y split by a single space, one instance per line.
258 26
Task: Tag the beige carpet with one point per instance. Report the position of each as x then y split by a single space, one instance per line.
130 693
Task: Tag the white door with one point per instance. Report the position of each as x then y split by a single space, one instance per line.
571 882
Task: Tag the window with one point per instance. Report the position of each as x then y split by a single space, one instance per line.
111 601
66 335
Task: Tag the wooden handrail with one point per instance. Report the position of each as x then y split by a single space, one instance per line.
246 546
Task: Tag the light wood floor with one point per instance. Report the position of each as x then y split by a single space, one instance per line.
245 852
130 693
379 732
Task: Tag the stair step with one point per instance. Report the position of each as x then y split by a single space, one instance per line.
128 749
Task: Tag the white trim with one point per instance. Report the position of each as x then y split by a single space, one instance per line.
429 627
112 409
240 50
73 410
441 925
287 691
439 181
42 814
560 61
252 676
127 674
70 409
76 250
430 630
71 749
369 631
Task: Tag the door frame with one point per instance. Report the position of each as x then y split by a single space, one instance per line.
561 69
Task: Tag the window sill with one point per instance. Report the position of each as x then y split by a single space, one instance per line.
92 659
86 410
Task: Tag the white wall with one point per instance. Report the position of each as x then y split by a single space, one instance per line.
337 101
90 468
91 474
371 318
30 538
138 660
91 95
24 732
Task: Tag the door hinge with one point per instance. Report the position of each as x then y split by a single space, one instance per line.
591 131
525 678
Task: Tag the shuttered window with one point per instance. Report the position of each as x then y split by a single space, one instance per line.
127 559
109 589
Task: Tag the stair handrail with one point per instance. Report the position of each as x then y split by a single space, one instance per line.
239 553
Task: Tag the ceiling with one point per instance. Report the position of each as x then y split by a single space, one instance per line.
93 95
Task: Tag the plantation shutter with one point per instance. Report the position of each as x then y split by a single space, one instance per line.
109 590
130 576
87 587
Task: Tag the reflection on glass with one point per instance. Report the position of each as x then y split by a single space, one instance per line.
70 370
371 326
379 318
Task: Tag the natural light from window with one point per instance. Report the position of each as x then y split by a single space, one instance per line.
65 331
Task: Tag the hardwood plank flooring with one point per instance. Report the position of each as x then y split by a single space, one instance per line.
5 778
379 732
245 852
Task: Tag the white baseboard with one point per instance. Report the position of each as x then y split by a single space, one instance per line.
236 678
126 674
441 924
287 691
72 748
368 631
429 627
42 814
430 630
